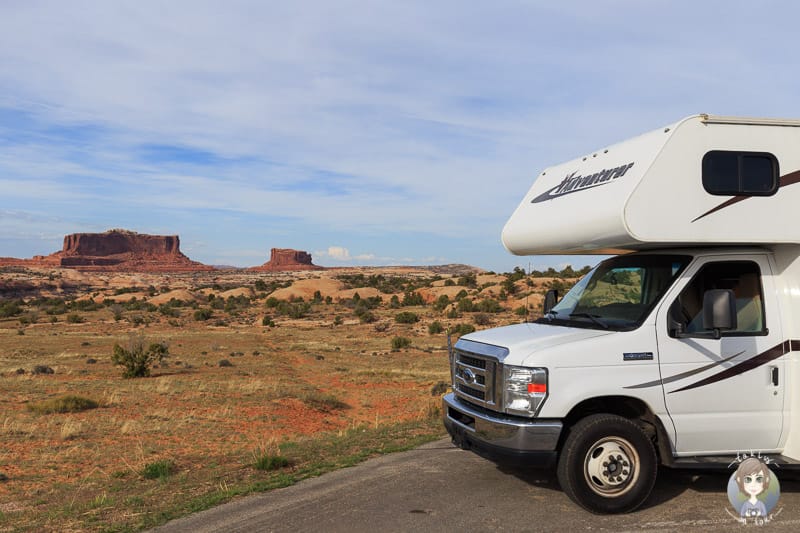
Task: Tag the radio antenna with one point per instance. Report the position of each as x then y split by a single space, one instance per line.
527 292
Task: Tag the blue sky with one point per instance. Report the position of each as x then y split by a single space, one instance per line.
364 132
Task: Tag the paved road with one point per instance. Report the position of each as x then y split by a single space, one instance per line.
438 487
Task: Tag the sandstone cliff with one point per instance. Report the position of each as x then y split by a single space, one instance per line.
118 250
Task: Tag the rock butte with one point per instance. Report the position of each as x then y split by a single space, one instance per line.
282 259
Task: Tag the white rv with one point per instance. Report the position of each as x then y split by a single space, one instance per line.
683 348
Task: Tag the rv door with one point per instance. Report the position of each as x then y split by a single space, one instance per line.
726 394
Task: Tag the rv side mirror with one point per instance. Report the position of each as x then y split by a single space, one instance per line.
550 300
676 326
719 311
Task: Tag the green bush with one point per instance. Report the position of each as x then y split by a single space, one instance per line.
74 318
158 469
465 305
463 329
293 310
9 308
137 359
203 314
489 306
367 317
441 303
267 461
435 327
400 342
412 298
406 317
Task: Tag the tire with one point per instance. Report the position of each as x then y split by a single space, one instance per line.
608 464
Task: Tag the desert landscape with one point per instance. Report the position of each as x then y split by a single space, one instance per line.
133 395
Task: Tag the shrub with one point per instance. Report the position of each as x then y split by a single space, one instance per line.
267 321
168 310
203 314
42 369
400 342
9 308
406 317
521 311
482 319
293 310
465 305
137 359
441 303
64 404
412 298
267 461
489 306
74 318
367 317
435 327
463 329
322 401
470 280
158 469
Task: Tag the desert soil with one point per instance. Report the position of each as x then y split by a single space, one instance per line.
287 365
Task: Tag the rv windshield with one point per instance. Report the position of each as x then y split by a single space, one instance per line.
619 293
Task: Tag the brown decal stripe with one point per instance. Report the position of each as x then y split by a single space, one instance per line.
788 179
754 362
683 375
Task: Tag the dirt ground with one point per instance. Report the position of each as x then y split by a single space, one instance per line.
303 367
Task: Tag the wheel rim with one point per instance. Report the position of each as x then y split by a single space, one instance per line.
611 466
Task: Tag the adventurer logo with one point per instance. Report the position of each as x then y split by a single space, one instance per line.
573 183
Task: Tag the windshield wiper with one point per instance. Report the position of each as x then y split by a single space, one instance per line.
593 318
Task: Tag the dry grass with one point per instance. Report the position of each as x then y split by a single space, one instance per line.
317 395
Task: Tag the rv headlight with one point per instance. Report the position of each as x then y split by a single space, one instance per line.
524 389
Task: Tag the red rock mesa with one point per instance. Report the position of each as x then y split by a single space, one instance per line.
287 259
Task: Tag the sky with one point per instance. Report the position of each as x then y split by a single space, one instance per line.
376 132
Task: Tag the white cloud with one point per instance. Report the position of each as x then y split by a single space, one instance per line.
338 253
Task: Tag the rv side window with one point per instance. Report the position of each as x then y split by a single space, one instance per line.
744 279
740 173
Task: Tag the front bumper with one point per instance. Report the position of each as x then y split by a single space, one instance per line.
533 441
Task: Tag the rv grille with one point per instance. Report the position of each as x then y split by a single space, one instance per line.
475 379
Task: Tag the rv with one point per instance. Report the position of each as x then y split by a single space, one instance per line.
681 349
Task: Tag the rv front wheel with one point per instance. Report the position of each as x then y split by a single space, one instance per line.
608 464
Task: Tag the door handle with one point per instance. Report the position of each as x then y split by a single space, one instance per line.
774 372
